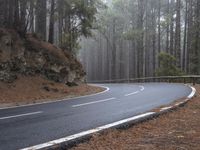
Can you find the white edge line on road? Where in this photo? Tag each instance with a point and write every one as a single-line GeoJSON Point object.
{"type": "Point", "coordinates": [182, 102]}
{"type": "Point", "coordinates": [94, 102]}
{"type": "Point", "coordinates": [84, 133]}
{"type": "Point", "coordinates": [192, 93]}
{"type": "Point", "coordinates": [179, 103]}
{"type": "Point", "coordinates": [63, 99]}
{"type": "Point", "coordinates": [166, 108]}
{"type": "Point", "coordinates": [21, 115]}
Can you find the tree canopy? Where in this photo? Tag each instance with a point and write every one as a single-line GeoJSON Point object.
{"type": "Point", "coordinates": [60, 22]}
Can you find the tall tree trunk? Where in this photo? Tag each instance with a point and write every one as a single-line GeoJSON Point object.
{"type": "Point", "coordinates": [140, 47]}
{"type": "Point", "coordinates": [185, 52]}
{"type": "Point", "coordinates": [159, 27]}
{"type": "Point", "coordinates": [41, 15]}
{"type": "Point", "coordinates": [11, 14]}
{"type": "Point", "coordinates": [172, 28]}
{"type": "Point", "coordinates": [22, 23]}
{"type": "Point", "coordinates": [114, 49]}
{"type": "Point", "coordinates": [51, 22]}
{"type": "Point", "coordinates": [60, 21]}
{"type": "Point", "coordinates": [168, 26]}
{"type": "Point", "coordinates": [145, 56]}
{"type": "Point", "coordinates": [178, 33]}
{"type": "Point", "coordinates": [190, 37]}
{"type": "Point", "coordinates": [31, 22]}
{"type": "Point", "coordinates": [197, 36]}
{"type": "Point", "coordinates": [153, 39]}
{"type": "Point", "coordinates": [2, 12]}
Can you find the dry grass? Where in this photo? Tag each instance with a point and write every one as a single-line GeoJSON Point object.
{"type": "Point", "coordinates": [27, 89]}
{"type": "Point", "coordinates": [38, 44]}
{"type": "Point", "coordinates": [178, 130]}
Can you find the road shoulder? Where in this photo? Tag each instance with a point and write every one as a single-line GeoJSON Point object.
{"type": "Point", "coordinates": [36, 90]}
{"type": "Point", "coordinates": [178, 129]}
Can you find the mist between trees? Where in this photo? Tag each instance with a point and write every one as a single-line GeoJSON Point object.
{"type": "Point", "coordinates": [125, 38]}
{"type": "Point", "coordinates": [138, 38]}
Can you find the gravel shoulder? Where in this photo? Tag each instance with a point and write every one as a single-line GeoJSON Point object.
{"type": "Point", "coordinates": [178, 130]}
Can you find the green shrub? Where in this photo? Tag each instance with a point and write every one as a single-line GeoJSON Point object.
{"type": "Point", "coordinates": [167, 66]}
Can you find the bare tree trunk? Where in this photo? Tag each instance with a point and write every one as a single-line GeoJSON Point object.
{"type": "Point", "coordinates": [168, 26]}
{"type": "Point", "coordinates": [172, 28]}
{"type": "Point", "coordinates": [185, 52]}
{"type": "Point", "coordinates": [140, 47]}
{"type": "Point", "coordinates": [190, 36]}
{"type": "Point", "coordinates": [197, 36]}
{"type": "Point", "coordinates": [114, 50]}
{"type": "Point", "coordinates": [31, 22]}
{"type": "Point", "coordinates": [41, 14]}
{"type": "Point", "coordinates": [159, 28]}
{"type": "Point", "coordinates": [154, 44]}
{"type": "Point", "coordinates": [22, 23]}
{"type": "Point", "coordinates": [2, 12]}
{"type": "Point", "coordinates": [178, 33]}
{"type": "Point", "coordinates": [51, 22]}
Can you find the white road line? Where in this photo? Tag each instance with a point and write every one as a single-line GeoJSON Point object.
{"type": "Point", "coordinates": [141, 89]}
{"type": "Point", "coordinates": [21, 115]}
{"type": "Point", "coordinates": [192, 93]}
{"type": "Point", "coordinates": [100, 101]}
{"type": "Point", "coordinates": [177, 104]}
{"type": "Point", "coordinates": [166, 108]}
{"type": "Point", "coordinates": [131, 93]}
{"type": "Point", "coordinates": [84, 133]}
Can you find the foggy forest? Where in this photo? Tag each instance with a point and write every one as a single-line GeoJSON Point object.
{"type": "Point", "coordinates": [143, 38]}
{"type": "Point", "coordinates": [115, 39]}
{"type": "Point", "coordinates": [99, 74]}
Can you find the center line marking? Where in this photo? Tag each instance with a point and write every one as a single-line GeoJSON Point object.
{"type": "Point", "coordinates": [100, 101]}
{"type": "Point", "coordinates": [142, 89]}
{"type": "Point", "coordinates": [132, 93]}
{"type": "Point", "coordinates": [21, 115]}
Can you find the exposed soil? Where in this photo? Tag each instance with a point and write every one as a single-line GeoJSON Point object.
{"type": "Point", "coordinates": [32, 56]}
{"type": "Point", "coordinates": [177, 130]}
{"type": "Point", "coordinates": [32, 89]}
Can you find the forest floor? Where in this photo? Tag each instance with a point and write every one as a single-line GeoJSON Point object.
{"type": "Point", "coordinates": [177, 130]}
{"type": "Point", "coordinates": [35, 89]}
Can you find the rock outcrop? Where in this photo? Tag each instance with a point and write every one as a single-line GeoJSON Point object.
{"type": "Point", "coordinates": [31, 56]}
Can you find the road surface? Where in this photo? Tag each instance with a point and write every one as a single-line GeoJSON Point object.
{"type": "Point", "coordinates": [31, 125]}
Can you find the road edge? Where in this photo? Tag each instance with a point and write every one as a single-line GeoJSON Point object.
{"type": "Point", "coordinates": [72, 140]}
{"type": "Point", "coordinates": [60, 100]}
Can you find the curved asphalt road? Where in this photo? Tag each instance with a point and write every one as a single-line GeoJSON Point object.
{"type": "Point", "coordinates": [31, 125]}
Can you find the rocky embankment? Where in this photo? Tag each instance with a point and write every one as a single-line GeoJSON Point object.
{"type": "Point", "coordinates": [32, 56]}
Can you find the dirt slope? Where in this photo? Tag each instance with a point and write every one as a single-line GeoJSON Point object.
{"type": "Point", "coordinates": [32, 89]}
{"type": "Point", "coordinates": [30, 56]}
{"type": "Point", "coordinates": [32, 70]}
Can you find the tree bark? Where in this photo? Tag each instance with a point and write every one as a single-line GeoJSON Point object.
{"type": "Point", "coordinates": [185, 52]}
{"type": "Point", "coordinates": [41, 14]}
{"type": "Point", "coordinates": [51, 22]}
{"type": "Point", "coordinates": [178, 33]}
